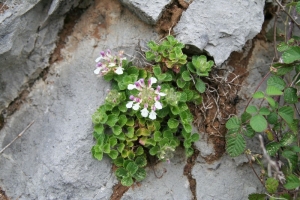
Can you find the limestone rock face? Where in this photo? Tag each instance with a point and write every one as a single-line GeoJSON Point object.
{"type": "Point", "coordinates": [149, 11]}
{"type": "Point", "coordinates": [28, 34]}
{"type": "Point", "coordinates": [220, 27]}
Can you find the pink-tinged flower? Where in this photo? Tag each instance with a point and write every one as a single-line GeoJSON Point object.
{"type": "Point", "coordinates": [147, 99]}
{"type": "Point", "coordinates": [109, 63]}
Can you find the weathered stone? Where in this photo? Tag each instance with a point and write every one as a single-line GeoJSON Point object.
{"type": "Point", "coordinates": [52, 160]}
{"type": "Point", "coordinates": [220, 27]}
{"type": "Point", "coordinates": [149, 11]}
{"type": "Point", "coordinates": [28, 34]}
{"type": "Point", "coordinates": [172, 185]}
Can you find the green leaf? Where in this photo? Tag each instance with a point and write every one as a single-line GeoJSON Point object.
{"type": "Point", "coordinates": [121, 147]}
{"type": "Point", "coordinates": [139, 151]}
{"type": "Point", "coordinates": [189, 152]}
{"type": "Point", "coordinates": [113, 154]}
{"type": "Point", "coordinates": [122, 120]}
{"type": "Point", "coordinates": [298, 7]}
{"type": "Point", "coordinates": [186, 76]}
{"type": "Point", "coordinates": [130, 122]}
{"type": "Point", "coordinates": [132, 167]}
{"type": "Point", "coordinates": [271, 101]}
{"type": "Point", "coordinates": [187, 127]}
{"type": "Point", "coordinates": [112, 120]}
{"type": "Point", "coordinates": [287, 113]}
{"type": "Point", "coordinates": [272, 118]}
{"type": "Point", "coordinates": [271, 185]}
{"type": "Point", "coordinates": [119, 162]}
{"type": "Point", "coordinates": [256, 196]}
{"type": "Point", "coordinates": [272, 148]}
{"type": "Point", "coordinates": [273, 91]}
{"type": "Point", "coordinates": [292, 182]}
{"type": "Point", "coordinates": [264, 111]}
{"type": "Point", "coordinates": [106, 148]}
{"type": "Point", "coordinates": [245, 117]}
{"type": "Point", "coordinates": [113, 141]}
{"type": "Point", "coordinates": [180, 83]}
{"type": "Point", "coordinates": [175, 110]}
{"type": "Point", "coordinates": [121, 172]}
{"type": "Point", "coordinates": [258, 95]}
{"type": "Point", "coordinates": [200, 85]}
{"type": "Point", "coordinates": [277, 82]}
{"type": "Point", "coordinates": [290, 95]}
{"type": "Point", "coordinates": [150, 141]}
{"type": "Point", "coordinates": [154, 150]}
{"type": "Point", "coordinates": [235, 144]}
{"type": "Point", "coordinates": [287, 139]}
{"type": "Point", "coordinates": [282, 47]}
{"type": "Point", "coordinates": [248, 131]}
{"type": "Point", "coordinates": [99, 129]}
{"type": "Point", "coordinates": [292, 159]}
{"type": "Point", "coordinates": [143, 132]}
{"type": "Point", "coordinates": [141, 161]}
{"type": "Point", "coordinates": [233, 123]}
{"type": "Point", "coordinates": [291, 55]}
{"type": "Point", "coordinates": [130, 132]}
{"type": "Point", "coordinates": [173, 123]}
{"type": "Point", "coordinates": [140, 174]}
{"type": "Point", "coordinates": [157, 136]}
{"type": "Point", "coordinates": [96, 153]}
{"type": "Point", "coordinates": [251, 109]}
{"type": "Point", "coordinates": [127, 181]}
{"type": "Point", "coordinates": [117, 130]}
{"type": "Point", "coordinates": [195, 137]}
{"type": "Point", "coordinates": [258, 123]}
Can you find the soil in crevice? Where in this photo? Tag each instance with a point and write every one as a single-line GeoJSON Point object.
{"type": "Point", "coordinates": [187, 171]}
{"type": "Point", "coordinates": [3, 195]}
{"type": "Point", "coordinates": [170, 16]}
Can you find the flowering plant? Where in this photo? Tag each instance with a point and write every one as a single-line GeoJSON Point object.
{"type": "Point", "coordinates": [109, 63]}
{"type": "Point", "coordinates": [145, 111]}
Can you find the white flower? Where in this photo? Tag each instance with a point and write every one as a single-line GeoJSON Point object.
{"type": "Point", "coordinates": [119, 70]}
{"type": "Point", "coordinates": [158, 105]}
{"type": "Point", "coordinates": [131, 87]}
{"type": "Point", "coordinates": [129, 104]}
{"type": "Point", "coordinates": [136, 106]}
{"type": "Point", "coordinates": [161, 94]}
{"type": "Point", "coordinates": [98, 59]}
{"type": "Point", "coordinates": [153, 80]}
{"type": "Point", "coordinates": [97, 70]}
{"type": "Point", "coordinates": [112, 64]}
{"type": "Point", "coordinates": [145, 112]}
{"type": "Point", "coordinates": [152, 115]}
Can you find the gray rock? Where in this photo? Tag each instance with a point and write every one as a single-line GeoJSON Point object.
{"type": "Point", "coordinates": [220, 27]}
{"type": "Point", "coordinates": [28, 34]}
{"type": "Point", "coordinates": [223, 180]}
{"type": "Point", "coordinates": [172, 185]}
{"type": "Point", "coordinates": [52, 160]}
{"type": "Point", "coordinates": [149, 11]}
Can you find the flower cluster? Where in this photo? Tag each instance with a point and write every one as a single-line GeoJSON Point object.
{"type": "Point", "coordinates": [107, 62]}
{"type": "Point", "coordinates": [147, 99]}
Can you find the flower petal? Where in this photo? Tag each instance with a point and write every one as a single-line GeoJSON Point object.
{"type": "Point", "coordinates": [112, 64]}
{"type": "Point", "coordinates": [119, 70]}
{"type": "Point", "coordinates": [129, 104]}
{"type": "Point", "coordinates": [153, 80]}
{"type": "Point", "coordinates": [145, 112]}
{"type": "Point", "coordinates": [158, 105]}
{"type": "Point", "coordinates": [97, 70]}
{"type": "Point", "coordinates": [162, 94]}
{"type": "Point", "coordinates": [131, 87]}
{"type": "Point", "coordinates": [136, 106]}
{"type": "Point", "coordinates": [98, 59]}
{"type": "Point", "coordinates": [152, 115]}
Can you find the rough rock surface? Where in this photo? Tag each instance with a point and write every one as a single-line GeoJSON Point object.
{"type": "Point", "coordinates": [52, 160]}
{"type": "Point", "coordinates": [149, 11]}
{"type": "Point", "coordinates": [220, 27]}
{"type": "Point", "coordinates": [28, 34]}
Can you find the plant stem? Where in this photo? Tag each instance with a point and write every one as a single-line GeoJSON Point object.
{"type": "Point", "coordinates": [20, 134]}
{"type": "Point", "coordinates": [282, 7]}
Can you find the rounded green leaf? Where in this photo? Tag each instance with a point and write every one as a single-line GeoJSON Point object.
{"type": "Point", "coordinates": [117, 130]}
{"type": "Point", "coordinates": [264, 111]}
{"type": "Point", "coordinates": [141, 161]}
{"type": "Point", "coordinates": [119, 161]}
{"type": "Point", "coordinates": [248, 131]}
{"type": "Point", "coordinates": [186, 76]}
{"type": "Point", "coordinates": [106, 148]}
{"type": "Point", "coordinates": [272, 118]}
{"type": "Point", "coordinates": [273, 91]}
{"type": "Point", "coordinates": [140, 174]}
{"type": "Point", "coordinates": [251, 109]}
{"type": "Point", "coordinates": [189, 152]}
{"type": "Point", "coordinates": [277, 82]}
{"type": "Point", "coordinates": [287, 113]}
{"type": "Point", "coordinates": [121, 172]}
{"type": "Point", "coordinates": [271, 185]}
{"type": "Point", "coordinates": [113, 154]}
{"type": "Point", "coordinates": [258, 123]}
{"type": "Point", "coordinates": [173, 123]}
{"type": "Point", "coordinates": [180, 83]}
{"type": "Point", "coordinates": [292, 182]}
{"type": "Point", "coordinates": [143, 132]}
{"type": "Point", "coordinates": [132, 167]}
{"type": "Point", "coordinates": [154, 150]}
{"type": "Point", "coordinates": [291, 55]}
{"type": "Point", "coordinates": [139, 151]}
{"type": "Point", "coordinates": [113, 141]}
{"type": "Point", "coordinates": [200, 85]}
{"type": "Point", "coordinates": [122, 120]}
{"type": "Point", "coordinates": [271, 101]}
{"type": "Point", "coordinates": [112, 120]}
{"type": "Point", "coordinates": [121, 147]}
{"type": "Point", "coordinates": [127, 181]}
{"type": "Point", "coordinates": [233, 123]}
{"type": "Point", "coordinates": [195, 137]}
{"type": "Point", "coordinates": [187, 127]}
{"type": "Point", "coordinates": [287, 139]}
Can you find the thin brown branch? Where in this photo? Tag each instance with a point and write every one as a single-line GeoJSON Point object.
{"type": "Point", "coordinates": [288, 14]}
{"type": "Point", "coordinates": [20, 134]}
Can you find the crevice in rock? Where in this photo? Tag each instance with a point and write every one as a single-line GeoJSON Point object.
{"type": "Point", "coordinates": [118, 191]}
{"type": "Point", "coordinates": [3, 7]}
{"type": "Point", "coordinates": [187, 171]}
{"type": "Point", "coordinates": [170, 16]}
{"type": "Point", "coordinates": [3, 195]}
{"type": "Point", "coordinates": [69, 23]}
